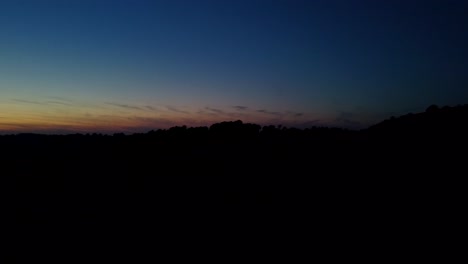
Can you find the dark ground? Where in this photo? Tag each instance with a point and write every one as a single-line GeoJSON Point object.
{"type": "Point", "coordinates": [387, 190]}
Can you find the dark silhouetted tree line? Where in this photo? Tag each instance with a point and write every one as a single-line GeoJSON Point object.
{"type": "Point", "coordinates": [412, 167]}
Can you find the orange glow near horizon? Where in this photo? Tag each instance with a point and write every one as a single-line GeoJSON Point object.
{"type": "Point", "coordinates": [23, 116]}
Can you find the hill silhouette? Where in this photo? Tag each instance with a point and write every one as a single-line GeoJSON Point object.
{"type": "Point", "coordinates": [433, 120]}
{"type": "Point", "coordinates": [403, 173]}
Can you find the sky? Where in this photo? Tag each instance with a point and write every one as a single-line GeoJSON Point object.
{"type": "Point", "coordinates": [132, 66]}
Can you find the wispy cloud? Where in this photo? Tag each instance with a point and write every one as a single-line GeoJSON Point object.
{"type": "Point", "coordinates": [147, 119]}
{"type": "Point", "coordinates": [41, 102]}
{"type": "Point", "coordinates": [58, 103]}
{"type": "Point", "coordinates": [240, 107]}
{"type": "Point", "coordinates": [294, 114]}
{"type": "Point", "coordinates": [263, 111]}
{"type": "Point", "coordinates": [58, 98]}
{"type": "Point", "coordinates": [175, 109]}
{"type": "Point", "coordinates": [29, 102]}
{"type": "Point", "coordinates": [214, 110]}
{"type": "Point", "coordinates": [126, 106]}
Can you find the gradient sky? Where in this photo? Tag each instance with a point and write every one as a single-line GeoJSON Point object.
{"type": "Point", "coordinates": [132, 66]}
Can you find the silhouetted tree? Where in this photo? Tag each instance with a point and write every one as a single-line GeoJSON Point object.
{"type": "Point", "coordinates": [432, 109]}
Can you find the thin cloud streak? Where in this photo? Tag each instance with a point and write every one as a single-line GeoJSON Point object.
{"type": "Point", "coordinates": [41, 102]}
{"type": "Point", "coordinates": [214, 110]}
{"type": "Point", "coordinates": [268, 112]}
{"type": "Point", "coordinates": [240, 107]}
{"type": "Point", "coordinates": [29, 102]}
{"type": "Point", "coordinates": [174, 109]}
{"type": "Point", "coordinates": [125, 106]}
{"type": "Point", "coordinates": [60, 99]}
{"type": "Point", "coordinates": [58, 103]}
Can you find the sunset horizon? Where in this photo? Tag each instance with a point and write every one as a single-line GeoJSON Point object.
{"type": "Point", "coordinates": [133, 66]}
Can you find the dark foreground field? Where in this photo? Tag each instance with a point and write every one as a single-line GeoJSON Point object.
{"type": "Point", "coordinates": [401, 180]}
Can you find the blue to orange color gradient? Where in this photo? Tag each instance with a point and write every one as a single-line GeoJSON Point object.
{"type": "Point", "coordinates": [131, 66]}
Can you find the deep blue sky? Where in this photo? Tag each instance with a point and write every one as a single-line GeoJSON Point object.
{"type": "Point", "coordinates": [135, 65]}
